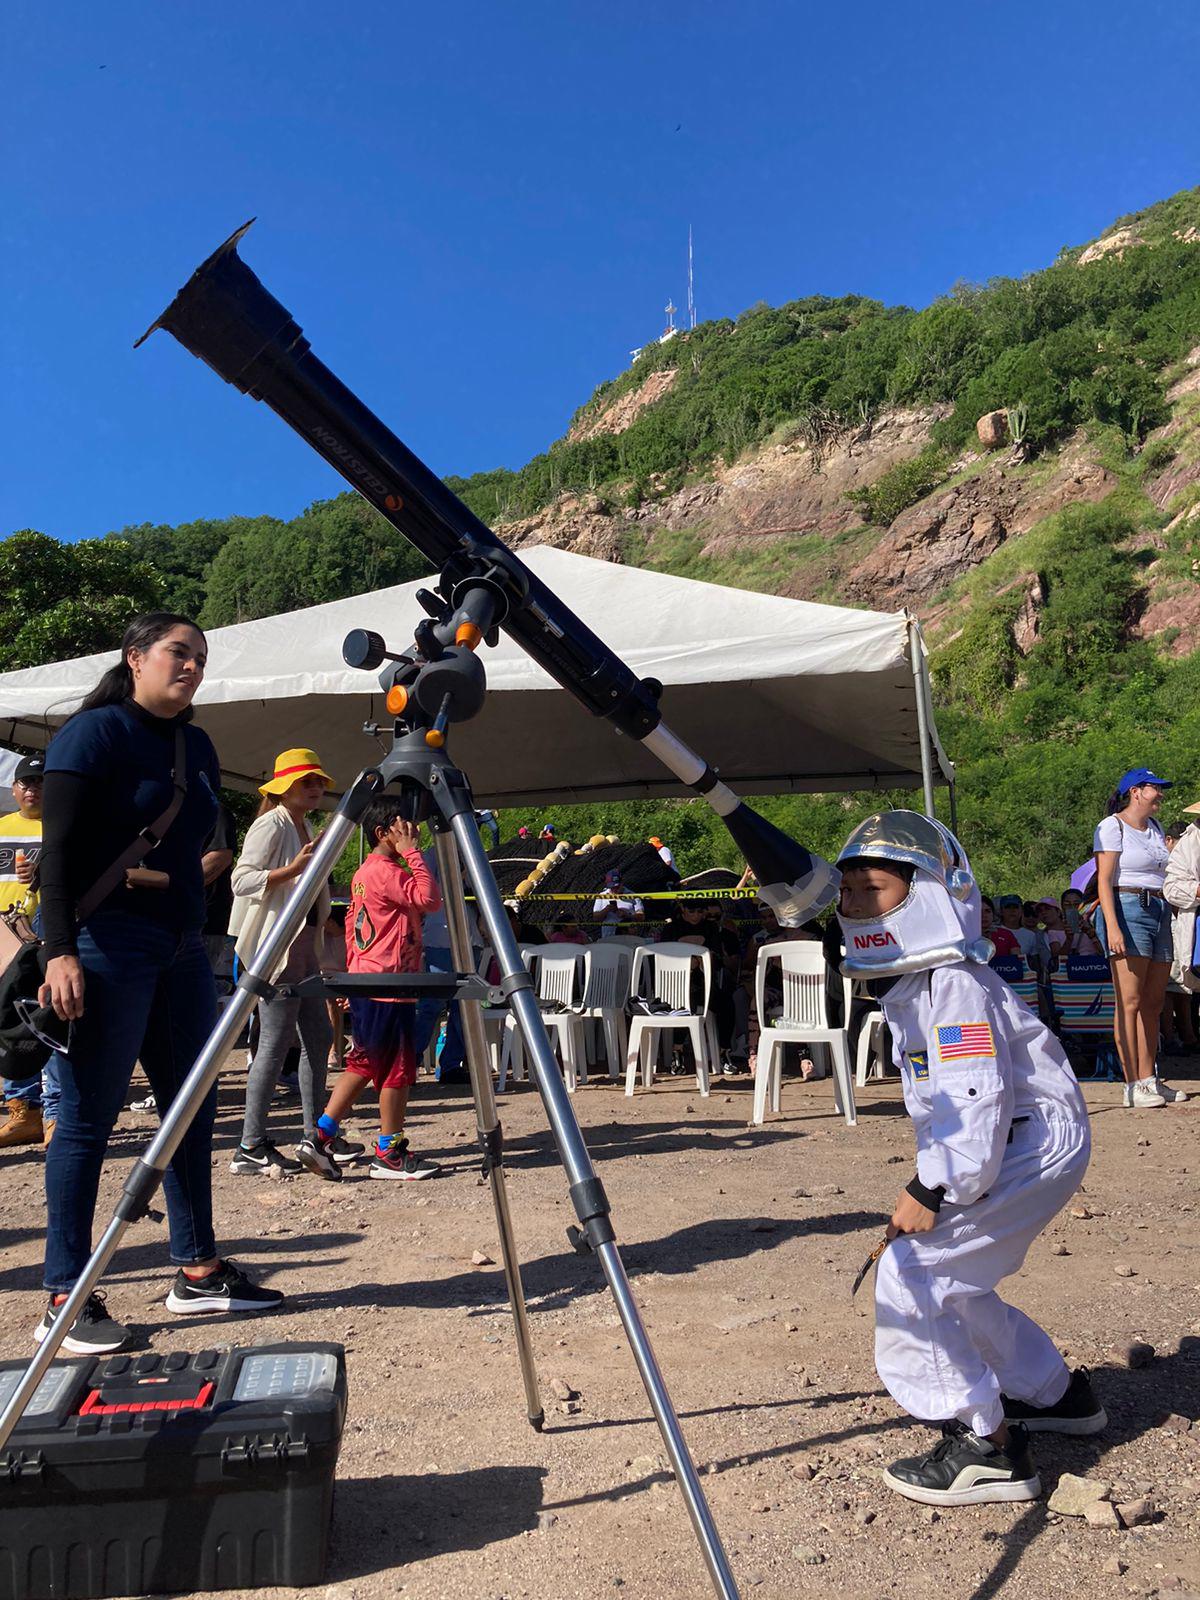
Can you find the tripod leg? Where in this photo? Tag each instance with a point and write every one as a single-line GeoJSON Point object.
{"type": "Point", "coordinates": [487, 1119]}
{"type": "Point", "coordinates": [148, 1170]}
{"type": "Point", "coordinates": [587, 1192]}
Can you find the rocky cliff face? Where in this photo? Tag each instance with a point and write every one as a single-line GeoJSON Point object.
{"type": "Point", "coordinates": [946, 534]}
{"type": "Point", "coordinates": [796, 492]}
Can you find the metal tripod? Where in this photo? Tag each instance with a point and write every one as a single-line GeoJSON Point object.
{"type": "Point", "coordinates": [431, 786]}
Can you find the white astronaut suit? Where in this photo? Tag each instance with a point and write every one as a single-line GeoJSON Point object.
{"type": "Point", "coordinates": [1002, 1140]}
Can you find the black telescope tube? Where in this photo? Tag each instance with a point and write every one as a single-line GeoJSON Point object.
{"type": "Point", "coordinates": [224, 316]}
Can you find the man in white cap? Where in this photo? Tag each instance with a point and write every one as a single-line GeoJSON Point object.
{"type": "Point", "coordinates": [1002, 1143]}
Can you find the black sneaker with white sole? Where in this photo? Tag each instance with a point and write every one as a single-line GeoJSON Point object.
{"type": "Point", "coordinates": [1078, 1411]}
{"type": "Point", "coordinates": [261, 1158]}
{"type": "Point", "coordinates": [316, 1157]}
{"type": "Point", "coordinates": [226, 1288]}
{"type": "Point", "coordinates": [401, 1163]}
{"type": "Point", "coordinates": [93, 1333]}
{"type": "Point", "coordinates": [344, 1151]}
{"type": "Point", "coordinates": [965, 1470]}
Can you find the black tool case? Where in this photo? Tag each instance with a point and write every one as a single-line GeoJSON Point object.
{"type": "Point", "coordinates": [149, 1474]}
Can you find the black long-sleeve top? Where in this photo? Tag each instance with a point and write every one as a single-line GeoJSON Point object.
{"type": "Point", "coordinates": [108, 775]}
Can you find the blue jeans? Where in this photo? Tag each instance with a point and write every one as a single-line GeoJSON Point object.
{"type": "Point", "coordinates": [1147, 931]}
{"type": "Point", "coordinates": [428, 1012]}
{"type": "Point", "coordinates": [40, 1090]}
{"type": "Point", "coordinates": [148, 996]}
{"type": "Point", "coordinates": [27, 1089]}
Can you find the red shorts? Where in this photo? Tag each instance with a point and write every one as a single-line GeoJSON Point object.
{"type": "Point", "coordinates": [383, 1049]}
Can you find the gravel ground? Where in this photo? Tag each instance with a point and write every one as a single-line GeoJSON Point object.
{"type": "Point", "coordinates": [742, 1244]}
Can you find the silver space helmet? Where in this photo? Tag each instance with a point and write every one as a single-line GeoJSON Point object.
{"type": "Point", "coordinates": [937, 923]}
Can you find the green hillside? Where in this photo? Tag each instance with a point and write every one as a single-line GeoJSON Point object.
{"type": "Point", "coordinates": [1085, 350]}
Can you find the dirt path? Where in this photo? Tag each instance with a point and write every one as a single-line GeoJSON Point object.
{"type": "Point", "coordinates": [742, 1244]}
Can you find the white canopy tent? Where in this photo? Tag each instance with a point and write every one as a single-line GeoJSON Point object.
{"type": "Point", "coordinates": [777, 694]}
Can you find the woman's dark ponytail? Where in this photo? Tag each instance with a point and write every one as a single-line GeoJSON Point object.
{"type": "Point", "coordinates": [117, 683]}
{"type": "Point", "coordinates": [1117, 801]}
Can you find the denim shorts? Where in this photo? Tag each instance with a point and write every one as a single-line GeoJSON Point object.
{"type": "Point", "coordinates": [1147, 933]}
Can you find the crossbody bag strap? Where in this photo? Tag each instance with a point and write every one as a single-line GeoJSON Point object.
{"type": "Point", "coordinates": [140, 846]}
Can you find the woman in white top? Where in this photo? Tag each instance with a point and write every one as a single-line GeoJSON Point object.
{"type": "Point", "coordinates": [276, 851]}
{"type": "Point", "coordinates": [1134, 928]}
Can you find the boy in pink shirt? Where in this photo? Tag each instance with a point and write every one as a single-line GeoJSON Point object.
{"type": "Point", "coordinates": [389, 895]}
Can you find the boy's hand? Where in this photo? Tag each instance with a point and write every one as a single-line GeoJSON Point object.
{"type": "Point", "coordinates": [910, 1216]}
{"type": "Point", "coordinates": [406, 834]}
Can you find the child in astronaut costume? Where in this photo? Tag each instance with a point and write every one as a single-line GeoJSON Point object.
{"type": "Point", "coordinates": [1002, 1143]}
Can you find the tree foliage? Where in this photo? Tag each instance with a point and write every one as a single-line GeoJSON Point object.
{"type": "Point", "coordinates": [61, 600]}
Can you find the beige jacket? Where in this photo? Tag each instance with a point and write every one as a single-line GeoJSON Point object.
{"type": "Point", "coordinates": [271, 842]}
{"type": "Point", "coordinates": [1182, 889]}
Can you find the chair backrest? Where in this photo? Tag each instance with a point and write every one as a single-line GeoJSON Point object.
{"type": "Point", "coordinates": [1019, 977]}
{"type": "Point", "coordinates": [802, 978]}
{"type": "Point", "coordinates": [671, 974]}
{"type": "Point", "coordinates": [607, 967]}
{"type": "Point", "coordinates": [557, 973]}
{"type": "Point", "coordinates": [1083, 995]}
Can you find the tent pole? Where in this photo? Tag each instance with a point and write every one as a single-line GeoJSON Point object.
{"type": "Point", "coordinates": [920, 686]}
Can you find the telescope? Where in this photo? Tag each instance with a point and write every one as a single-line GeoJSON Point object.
{"type": "Point", "coordinates": [228, 319]}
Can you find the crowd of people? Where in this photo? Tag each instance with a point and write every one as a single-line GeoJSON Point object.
{"type": "Point", "coordinates": [122, 853]}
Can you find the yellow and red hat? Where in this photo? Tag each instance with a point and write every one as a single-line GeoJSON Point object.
{"type": "Point", "coordinates": [291, 765]}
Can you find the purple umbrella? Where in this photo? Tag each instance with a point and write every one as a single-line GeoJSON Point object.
{"type": "Point", "coordinates": [1083, 875]}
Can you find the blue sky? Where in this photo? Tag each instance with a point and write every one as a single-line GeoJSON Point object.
{"type": "Point", "coordinates": [475, 210]}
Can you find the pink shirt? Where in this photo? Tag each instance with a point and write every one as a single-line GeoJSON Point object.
{"type": "Point", "coordinates": [387, 901]}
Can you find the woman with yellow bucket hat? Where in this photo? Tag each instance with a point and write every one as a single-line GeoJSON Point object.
{"type": "Point", "coordinates": [276, 851]}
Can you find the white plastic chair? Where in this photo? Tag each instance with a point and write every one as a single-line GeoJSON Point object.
{"type": "Point", "coordinates": [671, 966]}
{"type": "Point", "coordinates": [804, 1020]}
{"type": "Point", "coordinates": [556, 976]}
{"type": "Point", "coordinates": [871, 1039]}
{"type": "Point", "coordinates": [607, 968]}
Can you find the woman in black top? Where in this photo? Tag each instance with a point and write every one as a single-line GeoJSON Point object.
{"type": "Point", "coordinates": [133, 981]}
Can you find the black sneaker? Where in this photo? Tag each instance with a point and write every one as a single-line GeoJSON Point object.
{"type": "Point", "coordinates": [401, 1163]}
{"type": "Point", "coordinates": [93, 1333]}
{"type": "Point", "coordinates": [344, 1151]}
{"type": "Point", "coordinates": [965, 1470]}
{"type": "Point", "coordinates": [226, 1288]}
{"type": "Point", "coordinates": [262, 1158]}
{"type": "Point", "coordinates": [316, 1156]}
{"type": "Point", "coordinates": [1077, 1412]}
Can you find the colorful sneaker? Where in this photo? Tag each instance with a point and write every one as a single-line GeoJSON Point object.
{"type": "Point", "coordinates": [262, 1158]}
{"type": "Point", "coordinates": [344, 1151]}
{"type": "Point", "coordinates": [1077, 1412]}
{"type": "Point", "coordinates": [315, 1156]}
{"type": "Point", "coordinates": [965, 1470]}
{"type": "Point", "coordinates": [226, 1288]}
{"type": "Point", "coordinates": [400, 1162]}
{"type": "Point", "coordinates": [93, 1333]}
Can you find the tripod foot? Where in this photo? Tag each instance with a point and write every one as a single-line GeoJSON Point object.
{"type": "Point", "coordinates": [538, 1421]}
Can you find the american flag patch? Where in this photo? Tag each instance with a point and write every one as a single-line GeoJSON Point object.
{"type": "Point", "coordinates": [960, 1040]}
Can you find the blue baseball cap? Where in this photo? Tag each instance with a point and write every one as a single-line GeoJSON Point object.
{"type": "Point", "coordinates": [1137, 775]}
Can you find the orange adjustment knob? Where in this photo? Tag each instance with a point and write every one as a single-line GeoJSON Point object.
{"type": "Point", "coordinates": [397, 699]}
{"type": "Point", "coordinates": [468, 634]}
{"type": "Point", "coordinates": [435, 738]}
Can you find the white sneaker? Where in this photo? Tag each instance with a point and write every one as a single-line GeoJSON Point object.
{"type": "Point", "coordinates": [1145, 1095]}
{"type": "Point", "coordinates": [1170, 1094]}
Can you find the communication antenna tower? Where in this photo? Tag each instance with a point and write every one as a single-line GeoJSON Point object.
{"type": "Point", "coordinates": [691, 287]}
{"type": "Point", "coordinates": [671, 308]}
